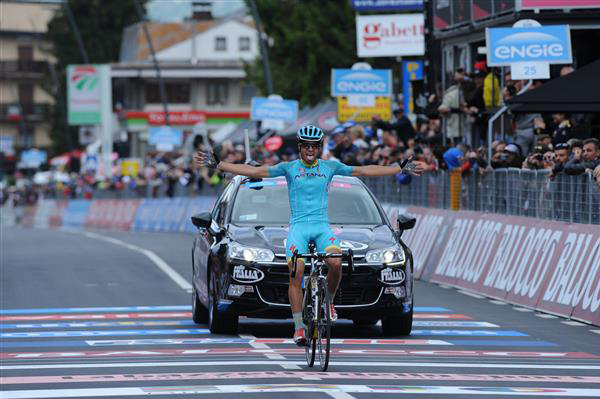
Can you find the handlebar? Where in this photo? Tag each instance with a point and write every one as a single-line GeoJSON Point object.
{"type": "Point", "coordinates": [349, 256]}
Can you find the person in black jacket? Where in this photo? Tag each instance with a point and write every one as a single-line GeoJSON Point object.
{"type": "Point", "coordinates": [402, 126]}
{"type": "Point", "coordinates": [589, 159]}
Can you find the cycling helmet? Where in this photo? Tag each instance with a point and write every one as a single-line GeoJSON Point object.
{"type": "Point", "coordinates": [310, 133]}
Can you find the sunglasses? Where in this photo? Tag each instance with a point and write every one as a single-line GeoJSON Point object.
{"type": "Point", "coordinates": [309, 145]}
{"type": "Point", "coordinates": [561, 146]}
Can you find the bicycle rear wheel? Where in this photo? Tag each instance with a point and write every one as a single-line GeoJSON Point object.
{"type": "Point", "coordinates": [307, 317]}
{"type": "Point", "coordinates": [324, 326]}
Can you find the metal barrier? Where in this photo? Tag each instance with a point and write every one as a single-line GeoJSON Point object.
{"type": "Point", "coordinates": [519, 192]}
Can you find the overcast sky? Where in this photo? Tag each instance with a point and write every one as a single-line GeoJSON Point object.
{"type": "Point", "coordinates": [177, 10]}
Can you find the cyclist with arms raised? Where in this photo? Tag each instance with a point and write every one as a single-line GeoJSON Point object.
{"type": "Point", "coordinates": [308, 181]}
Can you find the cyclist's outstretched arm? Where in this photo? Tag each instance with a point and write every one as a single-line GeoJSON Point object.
{"type": "Point", "coordinates": [204, 158]}
{"type": "Point", "coordinates": [412, 167]}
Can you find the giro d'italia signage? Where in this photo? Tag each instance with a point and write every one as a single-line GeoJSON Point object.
{"type": "Point", "coordinates": [551, 44]}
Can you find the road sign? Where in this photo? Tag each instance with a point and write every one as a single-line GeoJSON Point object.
{"type": "Point", "coordinates": [274, 108]}
{"type": "Point", "coordinates": [373, 82]}
{"type": "Point", "coordinates": [165, 138]}
{"type": "Point", "coordinates": [551, 44]}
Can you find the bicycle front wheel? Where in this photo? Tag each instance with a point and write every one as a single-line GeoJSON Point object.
{"type": "Point", "coordinates": [307, 317]}
{"type": "Point", "coordinates": [324, 326]}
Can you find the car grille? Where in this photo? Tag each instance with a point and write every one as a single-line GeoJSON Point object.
{"type": "Point", "coordinates": [345, 296]}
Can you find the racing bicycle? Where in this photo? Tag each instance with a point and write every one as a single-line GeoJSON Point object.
{"type": "Point", "coordinates": [316, 305]}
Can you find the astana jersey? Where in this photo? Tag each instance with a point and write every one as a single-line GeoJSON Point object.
{"type": "Point", "coordinates": [308, 187]}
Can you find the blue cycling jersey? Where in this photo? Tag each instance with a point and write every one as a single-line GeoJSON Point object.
{"type": "Point", "coordinates": [308, 187]}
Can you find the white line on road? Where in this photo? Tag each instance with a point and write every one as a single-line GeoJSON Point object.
{"type": "Point", "coordinates": [573, 323]}
{"type": "Point", "coordinates": [471, 294]}
{"type": "Point", "coordinates": [340, 395]}
{"type": "Point", "coordinates": [157, 260]}
{"type": "Point", "coordinates": [595, 331]}
{"type": "Point", "coordinates": [495, 302]}
{"type": "Point", "coordinates": [235, 363]}
{"type": "Point", "coordinates": [546, 316]}
{"type": "Point", "coordinates": [520, 309]}
{"type": "Point", "coordinates": [291, 366]}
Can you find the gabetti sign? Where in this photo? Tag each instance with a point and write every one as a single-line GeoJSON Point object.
{"type": "Point", "coordinates": [371, 82]}
{"type": "Point", "coordinates": [390, 35]}
{"type": "Point", "coordinates": [551, 44]}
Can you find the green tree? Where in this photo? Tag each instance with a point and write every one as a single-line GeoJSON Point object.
{"type": "Point", "coordinates": [309, 37]}
{"type": "Point", "coordinates": [101, 23]}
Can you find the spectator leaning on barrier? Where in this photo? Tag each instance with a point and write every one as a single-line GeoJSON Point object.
{"type": "Point", "coordinates": [541, 158]}
{"type": "Point", "coordinates": [589, 159]}
{"type": "Point", "coordinates": [401, 126]}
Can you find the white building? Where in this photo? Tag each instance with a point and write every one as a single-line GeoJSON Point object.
{"type": "Point", "coordinates": [202, 65]}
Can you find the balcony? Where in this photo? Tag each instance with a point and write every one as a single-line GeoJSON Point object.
{"type": "Point", "coordinates": [29, 112]}
{"type": "Point", "coordinates": [23, 69]}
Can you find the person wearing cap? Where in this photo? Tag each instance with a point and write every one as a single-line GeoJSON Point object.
{"type": "Point", "coordinates": [509, 158]}
{"type": "Point", "coordinates": [402, 126]}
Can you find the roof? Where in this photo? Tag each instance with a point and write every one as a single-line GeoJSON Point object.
{"type": "Point", "coordinates": [134, 46]}
{"type": "Point", "coordinates": [570, 93]}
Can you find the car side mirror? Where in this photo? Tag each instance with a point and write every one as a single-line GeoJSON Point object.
{"type": "Point", "coordinates": [202, 220]}
{"type": "Point", "coordinates": [405, 223]}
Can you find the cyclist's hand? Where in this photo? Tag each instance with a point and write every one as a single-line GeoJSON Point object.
{"type": "Point", "coordinates": [414, 167]}
{"type": "Point", "coordinates": [206, 158]}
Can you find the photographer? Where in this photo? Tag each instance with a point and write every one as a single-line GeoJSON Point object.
{"type": "Point", "coordinates": [509, 158]}
{"type": "Point", "coordinates": [542, 158]}
{"type": "Point", "coordinates": [562, 152]}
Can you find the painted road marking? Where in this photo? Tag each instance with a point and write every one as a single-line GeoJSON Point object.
{"type": "Point", "coordinates": [295, 351]}
{"type": "Point", "coordinates": [472, 333]}
{"type": "Point", "coordinates": [298, 375]}
{"type": "Point", "coordinates": [323, 388]}
{"type": "Point", "coordinates": [520, 309]}
{"type": "Point", "coordinates": [471, 294]}
{"type": "Point", "coordinates": [107, 316]}
{"type": "Point", "coordinates": [495, 302]}
{"type": "Point", "coordinates": [157, 260]}
{"type": "Point", "coordinates": [440, 316]}
{"type": "Point", "coordinates": [573, 323]}
{"type": "Point", "coordinates": [595, 331]}
{"type": "Point", "coordinates": [436, 323]}
{"type": "Point", "coordinates": [147, 308]}
{"type": "Point", "coordinates": [515, 366]}
{"type": "Point", "coordinates": [201, 341]}
{"type": "Point", "coordinates": [99, 333]}
{"type": "Point", "coordinates": [83, 324]}
{"type": "Point", "coordinates": [546, 316]}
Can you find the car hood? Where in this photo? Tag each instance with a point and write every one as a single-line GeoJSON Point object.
{"type": "Point", "coordinates": [359, 238]}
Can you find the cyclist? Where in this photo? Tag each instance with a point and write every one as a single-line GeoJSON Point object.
{"type": "Point", "coordinates": [308, 181]}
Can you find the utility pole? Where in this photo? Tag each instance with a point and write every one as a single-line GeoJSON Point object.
{"type": "Point", "coordinates": [264, 54]}
{"type": "Point", "coordinates": [161, 83]}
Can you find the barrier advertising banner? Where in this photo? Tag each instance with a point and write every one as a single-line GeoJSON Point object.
{"type": "Point", "coordinates": [390, 35]}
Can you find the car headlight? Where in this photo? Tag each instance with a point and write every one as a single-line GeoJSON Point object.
{"type": "Point", "coordinates": [390, 256]}
{"type": "Point", "coordinates": [250, 254]}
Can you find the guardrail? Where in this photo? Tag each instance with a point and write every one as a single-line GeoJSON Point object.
{"type": "Point", "coordinates": [518, 192]}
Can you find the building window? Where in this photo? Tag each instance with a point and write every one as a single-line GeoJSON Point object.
{"type": "Point", "coordinates": [26, 136]}
{"type": "Point", "coordinates": [248, 91]}
{"type": "Point", "coordinates": [220, 43]}
{"type": "Point", "coordinates": [178, 93]}
{"type": "Point", "coordinates": [217, 93]}
{"type": "Point", "coordinates": [244, 43]}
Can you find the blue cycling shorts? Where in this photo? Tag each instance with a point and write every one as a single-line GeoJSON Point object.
{"type": "Point", "coordinates": [300, 235]}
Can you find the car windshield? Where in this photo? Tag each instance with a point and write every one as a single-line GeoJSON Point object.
{"type": "Point", "coordinates": [266, 202]}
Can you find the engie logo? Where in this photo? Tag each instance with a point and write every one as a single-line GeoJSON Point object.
{"type": "Point", "coordinates": [245, 274]}
{"type": "Point", "coordinates": [546, 43]}
{"type": "Point", "coordinates": [84, 78]}
{"type": "Point", "coordinates": [374, 82]}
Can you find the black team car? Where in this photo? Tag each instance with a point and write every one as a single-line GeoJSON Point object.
{"type": "Point", "coordinates": [240, 269]}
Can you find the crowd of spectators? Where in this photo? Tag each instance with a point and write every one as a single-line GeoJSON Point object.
{"type": "Point", "coordinates": [449, 133]}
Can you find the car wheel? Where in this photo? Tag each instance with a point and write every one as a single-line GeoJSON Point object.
{"type": "Point", "coordinates": [219, 322]}
{"type": "Point", "coordinates": [397, 325]}
{"type": "Point", "coordinates": [199, 311]}
{"type": "Point", "coordinates": [365, 322]}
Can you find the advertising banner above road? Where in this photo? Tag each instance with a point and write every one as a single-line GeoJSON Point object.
{"type": "Point", "coordinates": [551, 44]}
{"type": "Point", "coordinates": [390, 35]}
{"type": "Point", "coordinates": [372, 82]}
{"type": "Point", "coordinates": [387, 5]}
{"type": "Point", "coordinates": [272, 108]}
{"type": "Point", "coordinates": [382, 108]}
